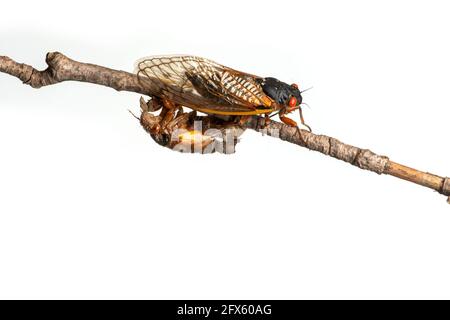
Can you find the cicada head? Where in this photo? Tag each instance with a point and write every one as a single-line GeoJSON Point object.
{"type": "Point", "coordinates": [288, 96]}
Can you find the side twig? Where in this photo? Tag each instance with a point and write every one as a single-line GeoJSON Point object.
{"type": "Point", "coordinates": [61, 68]}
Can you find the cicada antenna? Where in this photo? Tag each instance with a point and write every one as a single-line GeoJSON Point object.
{"type": "Point", "coordinates": [134, 115]}
{"type": "Point", "coordinates": [306, 89]}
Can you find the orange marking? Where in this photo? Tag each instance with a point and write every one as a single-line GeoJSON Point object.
{"type": "Point", "coordinates": [266, 101]}
{"type": "Point", "coordinates": [288, 121]}
{"type": "Point", "coordinates": [235, 113]}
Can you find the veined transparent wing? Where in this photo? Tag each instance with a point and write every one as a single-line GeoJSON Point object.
{"type": "Point", "coordinates": [202, 84]}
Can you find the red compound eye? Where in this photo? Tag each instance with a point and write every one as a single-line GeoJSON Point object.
{"type": "Point", "coordinates": [294, 85]}
{"type": "Point", "coordinates": [292, 102]}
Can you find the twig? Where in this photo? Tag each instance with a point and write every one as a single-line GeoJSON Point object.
{"type": "Point", "coordinates": [61, 68]}
{"type": "Point", "coordinates": [362, 158]}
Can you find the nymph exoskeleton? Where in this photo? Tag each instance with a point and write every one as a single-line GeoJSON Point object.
{"type": "Point", "coordinates": [211, 88]}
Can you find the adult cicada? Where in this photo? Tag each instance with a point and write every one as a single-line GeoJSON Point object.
{"type": "Point", "coordinates": [206, 86]}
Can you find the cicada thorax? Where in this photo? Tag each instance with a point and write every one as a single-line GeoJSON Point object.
{"type": "Point", "coordinates": [280, 92]}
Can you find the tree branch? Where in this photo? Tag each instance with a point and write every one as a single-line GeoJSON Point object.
{"type": "Point", "coordinates": [362, 158]}
{"type": "Point", "coordinates": [61, 68]}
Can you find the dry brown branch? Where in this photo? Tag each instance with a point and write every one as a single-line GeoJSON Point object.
{"type": "Point", "coordinates": [61, 68]}
{"type": "Point", "coordinates": [362, 158]}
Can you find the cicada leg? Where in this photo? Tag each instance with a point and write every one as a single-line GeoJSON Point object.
{"type": "Point", "coordinates": [242, 120]}
{"type": "Point", "coordinates": [169, 112]}
{"type": "Point", "coordinates": [288, 121]}
{"type": "Point", "coordinates": [161, 126]}
{"type": "Point", "coordinates": [261, 126]}
{"type": "Point", "coordinates": [302, 120]}
{"type": "Point", "coordinates": [152, 105]}
{"type": "Point", "coordinates": [266, 119]}
{"type": "Point", "coordinates": [292, 123]}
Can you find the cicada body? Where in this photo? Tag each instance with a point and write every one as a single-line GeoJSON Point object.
{"type": "Point", "coordinates": [206, 86]}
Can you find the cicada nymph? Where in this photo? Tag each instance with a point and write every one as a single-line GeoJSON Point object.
{"type": "Point", "coordinates": [174, 82]}
{"type": "Point", "coordinates": [189, 132]}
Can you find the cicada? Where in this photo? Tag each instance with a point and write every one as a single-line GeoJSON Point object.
{"type": "Point", "coordinates": [209, 87]}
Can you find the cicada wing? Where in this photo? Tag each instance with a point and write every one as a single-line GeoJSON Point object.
{"type": "Point", "coordinates": [164, 76]}
{"type": "Point", "coordinates": [232, 85]}
{"type": "Point", "coordinates": [199, 83]}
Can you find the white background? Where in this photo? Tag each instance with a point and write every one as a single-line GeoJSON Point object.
{"type": "Point", "coordinates": [91, 207]}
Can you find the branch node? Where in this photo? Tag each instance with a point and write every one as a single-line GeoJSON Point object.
{"type": "Point", "coordinates": [330, 143]}
{"type": "Point", "coordinates": [50, 57]}
{"type": "Point", "coordinates": [370, 161]}
{"type": "Point", "coordinates": [355, 159]}
{"type": "Point", "coordinates": [29, 78]}
{"type": "Point", "coordinates": [446, 187]}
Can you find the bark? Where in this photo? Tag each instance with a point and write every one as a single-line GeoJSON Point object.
{"type": "Point", "coordinates": [61, 68]}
